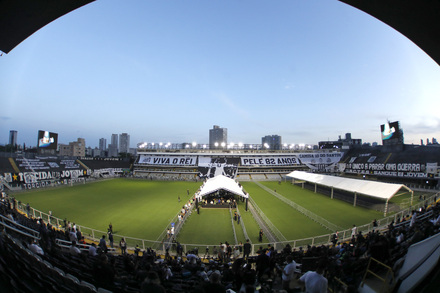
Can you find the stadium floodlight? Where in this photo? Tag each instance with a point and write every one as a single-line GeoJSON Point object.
{"type": "Point", "coordinates": [250, 146]}
{"type": "Point", "coordinates": [187, 146]}
{"type": "Point", "coordinates": [194, 144]}
{"type": "Point", "coordinates": [216, 144]}
{"type": "Point", "coordinates": [204, 146]}
{"type": "Point", "coordinates": [240, 144]}
{"type": "Point", "coordinates": [266, 145]}
{"type": "Point", "coordinates": [223, 144]}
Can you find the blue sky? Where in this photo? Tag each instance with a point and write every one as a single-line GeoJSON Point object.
{"type": "Point", "coordinates": [167, 71]}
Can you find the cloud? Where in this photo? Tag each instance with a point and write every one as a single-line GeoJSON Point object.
{"type": "Point", "coordinates": [426, 125]}
{"type": "Point", "coordinates": [232, 106]}
{"type": "Point", "coordinates": [289, 86]}
{"type": "Point", "coordinates": [5, 118]}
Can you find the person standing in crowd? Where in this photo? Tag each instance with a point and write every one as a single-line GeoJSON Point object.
{"type": "Point", "coordinates": [152, 283]}
{"type": "Point", "coordinates": [335, 238]}
{"type": "Point", "coordinates": [353, 231]}
{"type": "Point", "coordinates": [110, 239]}
{"type": "Point", "coordinates": [123, 245]}
{"type": "Point", "coordinates": [314, 280]}
{"type": "Point", "coordinates": [110, 227]}
{"type": "Point", "coordinates": [260, 235]}
{"type": "Point", "coordinates": [288, 273]}
{"type": "Point", "coordinates": [102, 244]}
{"type": "Point", "coordinates": [246, 249]}
{"type": "Point", "coordinates": [92, 250]}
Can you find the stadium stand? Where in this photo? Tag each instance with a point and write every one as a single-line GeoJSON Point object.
{"type": "Point", "coordinates": [6, 166]}
{"type": "Point", "coordinates": [408, 164]}
{"type": "Point", "coordinates": [57, 270]}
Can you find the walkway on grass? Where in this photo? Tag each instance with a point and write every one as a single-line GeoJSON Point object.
{"type": "Point", "coordinates": [320, 220]}
{"type": "Point", "coordinates": [272, 233]}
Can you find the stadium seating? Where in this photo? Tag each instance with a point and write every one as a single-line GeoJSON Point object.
{"type": "Point", "coordinates": [59, 271]}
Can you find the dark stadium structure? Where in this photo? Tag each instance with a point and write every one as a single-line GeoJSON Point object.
{"type": "Point", "coordinates": [21, 18]}
{"type": "Point", "coordinates": [417, 20]}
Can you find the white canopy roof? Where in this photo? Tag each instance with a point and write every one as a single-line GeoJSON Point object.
{"type": "Point", "coordinates": [221, 182]}
{"type": "Point", "coordinates": [365, 187]}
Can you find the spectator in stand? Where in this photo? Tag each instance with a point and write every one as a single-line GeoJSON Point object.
{"type": "Point", "coordinates": [288, 273]}
{"type": "Point", "coordinates": [214, 285]}
{"type": "Point", "coordinates": [78, 234]}
{"type": "Point", "coordinates": [102, 244]}
{"type": "Point", "coordinates": [104, 273]}
{"type": "Point", "coordinates": [262, 263]}
{"type": "Point", "coordinates": [335, 238]}
{"type": "Point", "coordinates": [152, 284]}
{"type": "Point", "coordinates": [72, 235]}
{"type": "Point", "coordinates": [314, 281]}
{"type": "Point", "coordinates": [35, 248]}
{"type": "Point", "coordinates": [123, 245]}
{"type": "Point", "coordinates": [236, 252]}
{"type": "Point", "coordinates": [73, 249]}
{"type": "Point", "coordinates": [82, 241]}
{"type": "Point", "coordinates": [246, 249]}
{"type": "Point", "coordinates": [92, 250]}
{"type": "Point", "coordinates": [353, 231]}
{"type": "Point", "coordinates": [110, 238]}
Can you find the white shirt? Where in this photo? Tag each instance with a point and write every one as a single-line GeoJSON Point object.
{"type": "Point", "coordinates": [92, 250]}
{"type": "Point", "coordinates": [315, 283]}
{"type": "Point", "coordinates": [289, 271]}
{"type": "Point", "coordinates": [36, 249]}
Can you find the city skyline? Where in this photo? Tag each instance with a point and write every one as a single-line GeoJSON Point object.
{"type": "Point", "coordinates": [308, 71]}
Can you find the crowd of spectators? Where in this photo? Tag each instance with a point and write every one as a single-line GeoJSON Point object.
{"type": "Point", "coordinates": [145, 271]}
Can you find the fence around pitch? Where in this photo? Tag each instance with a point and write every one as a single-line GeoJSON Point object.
{"type": "Point", "coordinates": [344, 235]}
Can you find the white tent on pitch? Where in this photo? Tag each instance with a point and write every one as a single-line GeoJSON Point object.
{"type": "Point", "coordinates": [221, 182]}
{"type": "Point", "coordinates": [384, 191]}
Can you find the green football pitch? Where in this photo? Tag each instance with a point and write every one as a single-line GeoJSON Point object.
{"type": "Point", "coordinates": [144, 209]}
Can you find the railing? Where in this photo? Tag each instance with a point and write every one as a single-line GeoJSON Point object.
{"type": "Point", "coordinates": [344, 235]}
{"type": "Point", "coordinates": [23, 230]}
{"type": "Point", "coordinates": [243, 227]}
{"type": "Point", "coordinates": [233, 226]}
{"type": "Point", "coordinates": [266, 220]}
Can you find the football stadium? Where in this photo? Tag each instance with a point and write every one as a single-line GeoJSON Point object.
{"type": "Point", "coordinates": [357, 218]}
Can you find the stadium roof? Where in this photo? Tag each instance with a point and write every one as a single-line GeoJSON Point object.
{"type": "Point", "coordinates": [365, 187]}
{"type": "Point", "coordinates": [418, 20]}
{"type": "Point", "coordinates": [221, 182]}
{"type": "Point", "coordinates": [21, 18]}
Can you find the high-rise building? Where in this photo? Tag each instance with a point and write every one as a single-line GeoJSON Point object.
{"type": "Point", "coordinates": [124, 143]}
{"type": "Point", "coordinates": [102, 144]}
{"type": "Point", "coordinates": [113, 150]}
{"type": "Point", "coordinates": [75, 148]}
{"type": "Point", "coordinates": [218, 137]}
{"type": "Point", "coordinates": [271, 142]}
{"type": "Point", "coordinates": [13, 138]}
